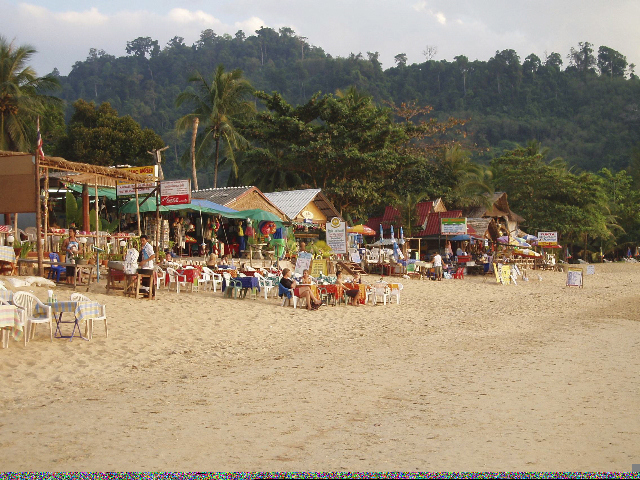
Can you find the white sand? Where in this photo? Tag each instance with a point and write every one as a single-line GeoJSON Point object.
{"type": "Point", "coordinates": [462, 375]}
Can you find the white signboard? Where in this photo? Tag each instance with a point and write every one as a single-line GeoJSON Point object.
{"type": "Point", "coordinates": [303, 262]}
{"type": "Point", "coordinates": [337, 235]}
{"type": "Point", "coordinates": [547, 239]}
{"type": "Point", "coordinates": [574, 277]}
{"type": "Point", "coordinates": [453, 226]}
{"type": "Point", "coordinates": [591, 269]}
{"type": "Point", "coordinates": [126, 189]}
{"type": "Point", "coordinates": [175, 192]}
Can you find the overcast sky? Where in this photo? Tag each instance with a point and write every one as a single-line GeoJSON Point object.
{"type": "Point", "coordinates": [63, 31]}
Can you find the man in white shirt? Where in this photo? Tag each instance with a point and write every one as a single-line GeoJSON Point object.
{"type": "Point", "coordinates": [148, 255]}
{"type": "Point", "coordinates": [437, 264]}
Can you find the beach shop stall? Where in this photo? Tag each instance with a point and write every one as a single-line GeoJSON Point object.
{"type": "Point", "coordinates": [24, 188]}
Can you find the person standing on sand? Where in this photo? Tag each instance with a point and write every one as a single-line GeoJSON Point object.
{"type": "Point", "coordinates": [437, 264]}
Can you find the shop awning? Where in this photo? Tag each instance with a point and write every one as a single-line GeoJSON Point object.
{"type": "Point", "coordinates": [108, 192]}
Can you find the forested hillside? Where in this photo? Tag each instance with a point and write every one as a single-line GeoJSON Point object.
{"type": "Point", "coordinates": [582, 106]}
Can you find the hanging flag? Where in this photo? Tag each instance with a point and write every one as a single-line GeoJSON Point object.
{"type": "Point", "coordinates": [39, 141]}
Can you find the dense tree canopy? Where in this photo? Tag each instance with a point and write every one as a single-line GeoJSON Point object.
{"type": "Point", "coordinates": [97, 135]}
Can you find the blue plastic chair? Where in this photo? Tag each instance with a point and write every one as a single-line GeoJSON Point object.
{"type": "Point", "coordinates": [55, 270]}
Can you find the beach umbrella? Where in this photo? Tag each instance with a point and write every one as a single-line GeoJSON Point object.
{"type": "Point", "coordinates": [381, 233]}
{"type": "Point", "coordinates": [392, 231]}
{"type": "Point", "coordinates": [521, 242]}
{"type": "Point", "coordinates": [504, 240]}
{"type": "Point", "coordinates": [401, 233]}
{"type": "Point", "coordinates": [361, 229]}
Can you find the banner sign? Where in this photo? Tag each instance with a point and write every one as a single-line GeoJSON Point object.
{"type": "Point", "coordinates": [124, 189]}
{"type": "Point", "coordinates": [318, 267]}
{"type": "Point", "coordinates": [337, 235]}
{"type": "Point", "coordinates": [303, 262]}
{"type": "Point", "coordinates": [453, 226]}
{"type": "Point", "coordinates": [128, 189]}
{"type": "Point", "coordinates": [547, 239]}
{"type": "Point", "coordinates": [175, 192]}
{"type": "Point", "coordinates": [574, 277]}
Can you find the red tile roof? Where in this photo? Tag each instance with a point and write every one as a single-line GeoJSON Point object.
{"type": "Point", "coordinates": [390, 217]}
{"type": "Point", "coordinates": [374, 223]}
{"type": "Point", "coordinates": [423, 210]}
{"type": "Point", "coordinates": [433, 222]}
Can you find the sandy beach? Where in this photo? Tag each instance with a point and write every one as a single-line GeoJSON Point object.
{"type": "Point", "coordinates": [462, 375]}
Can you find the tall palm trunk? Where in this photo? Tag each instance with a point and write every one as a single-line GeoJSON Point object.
{"type": "Point", "coordinates": [215, 168]}
{"type": "Point", "coordinates": [196, 121]}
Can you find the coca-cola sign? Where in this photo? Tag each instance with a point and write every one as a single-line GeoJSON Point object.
{"type": "Point", "coordinates": [175, 192]}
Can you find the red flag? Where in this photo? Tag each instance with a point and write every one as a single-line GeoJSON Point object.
{"type": "Point", "coordinates": [39, 141]}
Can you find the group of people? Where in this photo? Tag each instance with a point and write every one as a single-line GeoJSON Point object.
{"type": "Point", "coordinates": [305, 291]}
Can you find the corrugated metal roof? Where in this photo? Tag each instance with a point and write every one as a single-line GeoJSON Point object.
{"type": "Point", "coordinates": [221, 196]}
{"type": "Point", "coordinates": [292, 202]}
{"type": "Point", "coordinates": [213, 205]}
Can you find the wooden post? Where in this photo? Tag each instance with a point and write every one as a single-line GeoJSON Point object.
{"type": "Point", "coordinates": [86, 223]}
{"type": "Point", "coordinates": [15, 227]}
{"type": "Point", "coordinates": [157, 218]}
{"type": "Point", "coordinates": [138, 210]}
{"type": "Point", "coordinates": [97, 215]}
{"type": "Point", "coordinates": [46, 208]}
{"type": "Point", "coordinates": [38, 217]}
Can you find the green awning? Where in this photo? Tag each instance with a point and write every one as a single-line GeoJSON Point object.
{"type": "Point", "coordinates": [108, 192]}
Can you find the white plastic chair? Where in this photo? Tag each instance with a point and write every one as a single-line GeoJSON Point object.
{"type": "Point", "coordinates": [265, 284]}
{"type": "Point", "coordinates": [160, 276]}
{"type": "Point", "coordinates": [207, 278]}
{"type": "Point", "coordinates": [380, 291]}
{"type": "Point", "coordinates": [175, 277]}
{"type": "Point", "coordinates": [88, 327]}
{"type": "Point", "coordinates": [28, 301]}
{"type": "Point", "coordinates": [395, 292]}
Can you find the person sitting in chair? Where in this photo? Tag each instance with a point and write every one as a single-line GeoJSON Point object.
{"type": "Point", "coordinates": [352, 293]}
{"type": "Point", "coordinates": [287, 282]}
{"type": "Point", "coordinates": [302, 290]}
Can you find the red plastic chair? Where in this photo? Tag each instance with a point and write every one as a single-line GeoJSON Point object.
{"type": "Point", "coordinates": [459, 273]}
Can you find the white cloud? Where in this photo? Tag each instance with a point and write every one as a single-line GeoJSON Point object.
{"type": "Point", "coordinates": [441, 18]}
{"type": "Point", "coordinates": [183, 16]}
{"type": "Point", "coordinates": [88, 17]}
{"type": "Point", "coordinates": [419, 7]}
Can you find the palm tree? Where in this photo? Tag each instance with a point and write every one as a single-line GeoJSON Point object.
{"type": "Point", "coordinates": [408, 206]}
{"type": "Point", "coordinates": [22, 96]}
{"type": "Point", "coordinates": [472, 182]}
{"type": "Point", "coordinates": [218, 105]}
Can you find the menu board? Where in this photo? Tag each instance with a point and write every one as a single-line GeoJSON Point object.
{"type": "Point", "coordinates": [303, 262]}
{"type": "Point", "coordinates": [337, 235]}
{"type": "Point", "coordinates": [574, 277]}
{"type": "Point", "coordinates": [505, 274]}
{"type": "Point", "coordinates": [318, 267]}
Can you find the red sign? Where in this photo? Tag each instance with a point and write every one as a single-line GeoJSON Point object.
{"type": "Point", "coordinates": [175, 192]}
